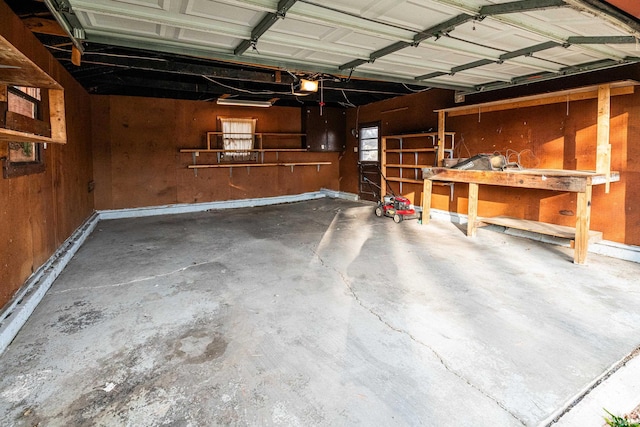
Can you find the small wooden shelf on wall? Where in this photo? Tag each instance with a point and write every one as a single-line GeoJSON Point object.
{"type": "Point", "coordinates": [18, 70]}
{"type": "Point", "coordinates": [259, 138]}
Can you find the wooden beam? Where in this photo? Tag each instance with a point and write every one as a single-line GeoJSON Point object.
{"type": "Point", "coordinates": [603, 147]}
{"type": "Point", "coordinates": [44, 26]}
{"type": "Point", "coordinates": [76, 56]}
{"type": "Point", "coordinates": [472, 212]}
{"type": "Point", "coordinates": [19, 70]}
{"type": "Point", "coordinates": [426, 200]}
{"type": "Point", "coordinates": [441, 136]}
{"type": "Point", "coordinates": [537, 100]}
{"type": "Point", "coordinates": [571, 181]}
{"type": "Point", "coordinates": [57, 116]}
{"type": "Point", "coordinates": [582, 226]}
{"type": "Point", "coordinates": [21, 123]}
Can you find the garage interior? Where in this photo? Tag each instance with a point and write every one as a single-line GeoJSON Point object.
{"type": "Point", "coordinates": [188, 221]}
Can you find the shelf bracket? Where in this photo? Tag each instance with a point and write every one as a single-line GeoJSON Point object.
{"type": "Point", "coordinates": [195, 170]}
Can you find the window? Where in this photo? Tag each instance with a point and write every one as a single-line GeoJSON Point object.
{"type": "Point", "coordinates": [369, 144]}
{"type": "Point", "coordinates": [23, 158]}
{"type": "Point", "coordinates": [237, 137]}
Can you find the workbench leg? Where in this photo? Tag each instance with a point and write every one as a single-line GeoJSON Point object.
{"type": "Point", "coordinates": [472, 213]}
{"type": "Point", "coordinates": [582, 226]}
{"type": "Point", "coordinates": [426, 200]}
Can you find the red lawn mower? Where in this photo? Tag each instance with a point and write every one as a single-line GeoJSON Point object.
{"type": "Point", "coordinates": [397, 207]}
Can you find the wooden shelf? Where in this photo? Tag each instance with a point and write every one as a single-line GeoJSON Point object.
{"type": "Point", "coordinates": [251, 165]}
{"type": "Point", "coordinates": [407, 154]}
{"type": "Point", "coordinates": [407, 180]}
{"type": "Point", "coordinates": [19, 70]}
{"type": "Point", "coordinates": [417, 135]}
{"type": "Point", "coordinates": [260, 134]}
{"type": "Point", "coordinates": [253, 150]}
{"type": "Point", "coordinates": [554, 230]}
{"type": "Point", "coordinates": [406, 166]}
{"type": "Point", "coordinates": [260, 161]}
{"type": "Point", "coordinates": [411, 150]}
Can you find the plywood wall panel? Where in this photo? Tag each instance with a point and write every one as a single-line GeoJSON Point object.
{"type": "Point", "coordinates": [38, 212]}
{"type": "Point", "coordinates": [405, 114]}
{"type": "Point", "coordinates": [101, 147]}
{"type": "Point", "coordinates": [16, 250]}
{"type": "Point", "coordinates": [73, 167]}
{"type": "Point", "coordinates": [143, 154]}
{"type": "Point", "coordinates": [138, 162]}
{"type": "Point", "coordinates": [560, 136]}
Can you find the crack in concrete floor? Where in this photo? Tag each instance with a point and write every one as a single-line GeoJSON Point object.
{"type": "Point", "coordinates": [134, 281]}
{"type": "Point", "coordinates": [352, 291]}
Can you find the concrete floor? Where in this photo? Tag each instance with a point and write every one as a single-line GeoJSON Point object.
{"type": "Point", "coordinates": [315, 313]}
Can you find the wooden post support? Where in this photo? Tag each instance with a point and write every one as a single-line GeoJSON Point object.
{"type": "Point", "coordinates": [582, 226]}
{"type": "Point", "coordinates": [603, 147]}
{"type": "Point", "coordinates": [57, 116]}
{"type": "Point", "coordinates": [441, 124]}
{"type": "Point", "coordinates": [426, 200]}
{"type": "Point", "coordinates": [472, 212]}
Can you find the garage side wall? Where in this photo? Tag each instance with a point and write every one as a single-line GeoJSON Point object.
{"type": "Point", "coordinates": [560, 136]}
{"type": "Point", "coordinates": [137, 159]}
{"type": "Point", "coordinates": [39, 212]}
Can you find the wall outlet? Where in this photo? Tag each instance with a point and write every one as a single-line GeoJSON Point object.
{"type": "Point", "coordinates": [355, 149]}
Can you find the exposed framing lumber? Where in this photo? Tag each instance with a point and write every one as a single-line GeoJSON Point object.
{"type": "Point", "coordinates": [579, 182]}
{"type": "Point", "coordinates": [441, 136]}
{"type": "Point", "coordinates": [591, 92]}
{"type": "Point", "coordinates": [603, 147]}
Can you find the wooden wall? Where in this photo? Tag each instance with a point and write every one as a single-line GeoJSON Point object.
{"type": "Point", "coordinates": [401, 115]}
{"type": "Point", "coordinates": [558, 136]}
{"type": "Point", "coordinates": [39, 212]}
{"type": "Point", "coordinates": [137, 163]}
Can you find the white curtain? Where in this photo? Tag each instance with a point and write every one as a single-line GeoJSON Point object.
{"type": "Point", "coordinates": [237, 135]}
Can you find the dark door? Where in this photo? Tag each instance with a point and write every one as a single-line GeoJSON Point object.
{"type": "Point", "coordinates": [369, 162]}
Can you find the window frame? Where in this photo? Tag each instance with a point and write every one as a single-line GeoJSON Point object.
{"type": "Point", "coordinates": [12, 168]}
{"type": "Point", "coordinates": [361, 129]}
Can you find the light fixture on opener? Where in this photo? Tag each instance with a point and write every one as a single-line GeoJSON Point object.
{"type": "Point", "coordinates": [304, 87]}
{"type": "Point", "coordinates": [243, 102]}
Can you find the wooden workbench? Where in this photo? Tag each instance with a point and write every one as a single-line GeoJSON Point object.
{"type": "Point", "coordinates": [579, 182]}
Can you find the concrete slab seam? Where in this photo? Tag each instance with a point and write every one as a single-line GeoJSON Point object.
{"type": "Point", "coordinates": [441, 360]}
{"type": "Point", "coordinates": [574, 401]}
{"type": "Point", "coordinates": [24, 302]}
{"type": "Point", "coordinates": [202, 207]}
